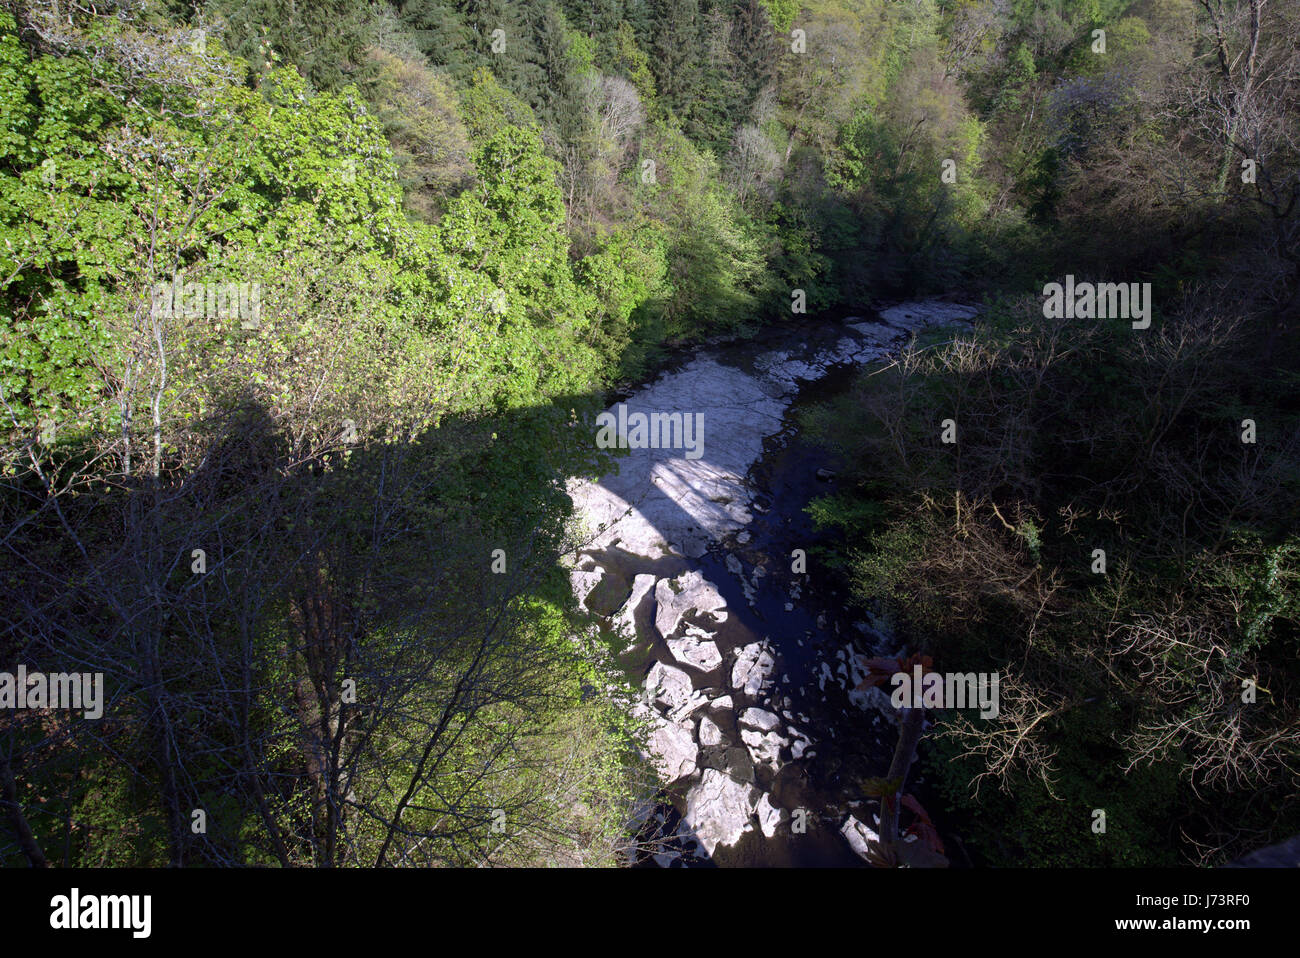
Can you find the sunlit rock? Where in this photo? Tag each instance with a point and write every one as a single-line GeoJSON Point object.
{"type": "Point", "coordinates": [751, 671]}
{"type": "Point", "coordinates": [710, 733]}
{"type": "Point", "coordinates": [769, 816]}
{"type": "Point", "coordinates": [668, 685]}
{"type": "Point", "coordinates": [624, 621]}
{"type": "Point", "coordinates": [690, 592]}
{"type": "Point", "coordinates": [858, 835]}
{"type": "Point", "coordinates": [759, 719]}
{"type": "Point", "coordinates": [718, 810]}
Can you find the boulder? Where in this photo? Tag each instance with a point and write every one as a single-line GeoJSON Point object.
{"type": "Point", "coordinates": [710, 734]}
{"type": "Point", "coordinates": [673, 750]}
{"type": "Point", "coordinates": [769, 816]}
{"type": "Point", "coordinates": [690, 592]}
{"type": "Point", "coordinates": [759, 719]}
{"type": "Point", "coordinates": [668, 685]}
{"type": "Point", "coordinates": [764, 748]}
{"type": "Point", "coordinates": [688, 708]}
{"type": "Point", "coordinates": [624, 621]}
{"type": "Point", "coordinates": [751, 671]}
{"type": "Point", "coordinates": [718, 810]}
{"type": "Point", "coordinates": [737, 763]}
{"type": "Point", "coordinates": [874, 697]}
{"type": "Point", "coordinates": [583, 581]}
{"type": "Point", "coordinates": [858, 835]}
{"type": "Point", "coordinates": [699, 653]}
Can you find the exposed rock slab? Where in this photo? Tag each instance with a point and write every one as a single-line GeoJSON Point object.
{"type": "Point", "coordinates": [710, 733]}
{"type": "Point", "coordinates": [764, 747]}
{"type": "Point", "coordinates": [680, 500]}
{"type": "Point", "coordinates": [751, 671]}
{"type": "Point", "coordinates": [661, 500]}
{"type": "Point", "coordinates": [624, 621]}
{"type": "Point", "coordinates": [583, 581]}
{"type": "Point", "coordinates": [698, 653]}
{"type": "Point", "coordinates": [760, 719]}
{"type": "Point", "coordinates": [668, 685]}
{"type": "Point", "coordinates": [858, 835]}
{"type": "Point", "coordinates": [673, 750]}
{"type": "Point", "coordinates": [718, 810]}
{"type": "Point", "coordinates": [690, 592]}
{"type": "Point", "coordinates": [769, 816]}
{"type": "Point", "coordinates": [918, 315]}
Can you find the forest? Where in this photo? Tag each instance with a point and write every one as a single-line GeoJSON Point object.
{"type": "Point", "coordinates": [307, 304]}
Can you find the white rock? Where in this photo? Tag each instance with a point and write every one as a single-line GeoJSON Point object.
{"type": "Point", "coordinates": [689, 592]}
{"type": "Point", "coordinates": [668, 685]}
{"type": "Point", "coordinates": [763, 747]}
{"type": "Point", "coordinates": [752, 668]}
{"type": "Point", "coordinates": [698, 653]}
{"type": "Point", "coordinates": [710, 734]}
{"type": "Point", "coordinates": [684, 711]}
{"type": "Point", "coordinates": [624, 621]}
{"type": "Point", "coordinates": [723, 702]}
{"type": "Point", "coordinates": [583, 581]}
{"type": "Point", "coordinates": [858, 835]}
{"type": "Point", "coordinates": [874, 697]}
{"type": "Point", "coordinates": [718, 810]}
{"type": "Point", "coordinates": [822, 677]}
{"type": "Point", "coordinates": [759, 719]}
{"type": "Point", "coordinates": [671, 747]}
{"type": "Point", "coordinates": [769, 816]}
{"type": "Point", "coordinates": [927, 313]}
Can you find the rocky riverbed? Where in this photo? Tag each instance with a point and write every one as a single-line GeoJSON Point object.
{"type": "Point", "coordinates": [701, 571]}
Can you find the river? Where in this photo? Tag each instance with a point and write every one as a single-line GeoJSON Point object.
{"type": "Point", "coordinates": [702, 571]}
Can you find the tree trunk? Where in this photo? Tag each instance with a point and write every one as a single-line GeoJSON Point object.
{"type": "Point", "coordinates": [17, 821]}
{"type": "Point", "coordinates": [909, 735]}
